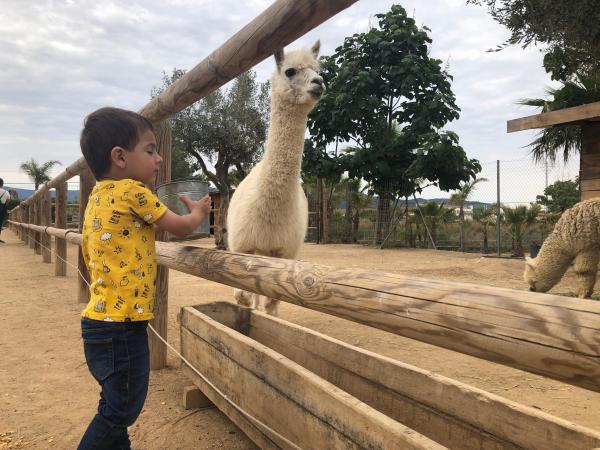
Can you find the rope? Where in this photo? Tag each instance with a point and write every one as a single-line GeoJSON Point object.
{"type": "Point", "coordinates": [257, 422]}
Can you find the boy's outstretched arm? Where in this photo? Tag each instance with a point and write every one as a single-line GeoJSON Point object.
{"type": "Point", "coordinates": [185, 225]}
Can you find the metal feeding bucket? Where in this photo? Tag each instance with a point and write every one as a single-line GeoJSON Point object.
{"type": "Point", "coordinates": [168, 194]}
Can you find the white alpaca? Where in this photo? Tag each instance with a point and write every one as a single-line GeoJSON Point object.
{"type": "Point", "coordinates": [268, 214]}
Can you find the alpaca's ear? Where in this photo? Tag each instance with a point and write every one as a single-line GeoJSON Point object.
{"type": "Point", "coordinates": [279, 58]}
{"type": "Point", "coordinates": [315, 48]}
{"type": "Point", "coordinates": [530, 262]}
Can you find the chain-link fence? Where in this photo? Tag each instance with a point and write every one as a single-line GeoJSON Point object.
{"type": "Point", "coordinates": [346, 213]}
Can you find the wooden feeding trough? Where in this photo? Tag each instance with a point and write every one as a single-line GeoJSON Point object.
{"type": "Point", "coordinates": [315, 392]}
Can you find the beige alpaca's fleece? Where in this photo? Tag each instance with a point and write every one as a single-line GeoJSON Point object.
{"type": "Point", "coordinates": [576, 236]}
{"type": "Point", "coordinates": [268, 213]}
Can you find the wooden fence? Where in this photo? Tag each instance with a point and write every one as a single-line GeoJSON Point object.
{"type": "Point", "coordinates": [544, 334]}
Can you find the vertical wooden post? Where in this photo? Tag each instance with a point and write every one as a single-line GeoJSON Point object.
{"type": "Point", "coordinates": [32, 208]}
{"type": "Point", "coordinates": [325, 212]}
{"type": "Point", "coordinates": [158, 350]}
{"type": "Point", "coordinates": [24, 231]}
{"type": "Point", "coordinates": [589, 167]}
{"type": "Point", "coordinates": [60, 221]}
{"type": "Point", "coordinates": [37, 247]}
{"type": "Point", "coordinates": [46, 221]}
{"type": "Point", "coordinates": [86, 184]}
{"type": "Point", "coordinates": [216, 209]}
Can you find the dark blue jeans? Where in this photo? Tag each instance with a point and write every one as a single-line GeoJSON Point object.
{"type": "Point", "coordinates": [118, 358]}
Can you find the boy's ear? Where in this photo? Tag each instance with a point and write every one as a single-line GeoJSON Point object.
{"type": "Point", "coordinates": [117, 157]}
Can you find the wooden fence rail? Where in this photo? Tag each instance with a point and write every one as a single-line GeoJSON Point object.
{"type": "Point", "coordinates": [277, 26]}
{"type": "Point", "coordinates": [544, 334]}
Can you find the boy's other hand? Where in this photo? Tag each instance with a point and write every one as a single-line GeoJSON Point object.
{"type": "Point", "coordinates": [201, 206]}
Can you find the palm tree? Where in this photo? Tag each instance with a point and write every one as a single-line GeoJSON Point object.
{"type": "Point", "coordinates": [581, 89]}
{"type": "Point", "coordinates": [38, 173]}
{"type": "Point", "coordinates": [486, 217]}
{"type": "Point", "coordinates": [459, 198]}
{"type": "Point", "coordinates": [436, 214]}
{"type": "Point", "coordinates": [519, 219]}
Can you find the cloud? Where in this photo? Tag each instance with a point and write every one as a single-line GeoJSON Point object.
{"type": "Point", "coordinates": [62, 60]}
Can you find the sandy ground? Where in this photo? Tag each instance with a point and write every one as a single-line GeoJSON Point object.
{"type": "Point", "coordinates": [47, 395]}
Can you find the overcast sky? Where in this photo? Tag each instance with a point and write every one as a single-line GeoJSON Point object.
{"type": "Point", "coordinates": [63, 59]}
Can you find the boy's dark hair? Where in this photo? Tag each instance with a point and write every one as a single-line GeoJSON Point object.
{"type": "Point", "coordinates": [1, 182]}
{"type": "Point", "coordinates": [107, 128]}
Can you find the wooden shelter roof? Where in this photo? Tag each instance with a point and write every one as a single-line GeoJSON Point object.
{"type": "Point", "coordinates": [589, 112]}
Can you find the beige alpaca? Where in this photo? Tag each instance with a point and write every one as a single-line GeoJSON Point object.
{"type": "Point", "coordinates": [268, 214]}
{"type": "Point", "coordinates": [576, 236]}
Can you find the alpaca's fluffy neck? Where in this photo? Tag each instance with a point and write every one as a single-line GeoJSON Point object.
{"type": "Point", "coordinates": [553, 259]}
{"type": "Point", "coordinates": [282, 161]}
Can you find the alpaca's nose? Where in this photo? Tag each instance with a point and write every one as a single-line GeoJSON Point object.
{"type": "Point", "coordinates": [318, 81]}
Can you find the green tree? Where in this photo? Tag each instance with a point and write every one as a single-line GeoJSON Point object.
{"type": "Point", "coordinates": [560, 196]}
{"type": "Point", "coordinates": [436, 215]}
{"type": "Point", "coordinates": [390, 100]}
{"type": "Point", "coordinates": [459, 198]}
{"type": "Point", "coordinates": [569, 30]}
{"type": "Point", "coordinates": [580, 90]}
{"type": "Point", "coordinates": [227, 129]}
{"type": "Point", "coordinates": [519, 219]}
{"type": "Point", "coordinates": [487, 218]}
{"type": "Point", "coordinates": [38, 172]}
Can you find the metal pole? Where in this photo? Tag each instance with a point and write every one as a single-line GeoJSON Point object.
{"type": "Point", "coordinates": [498, 217]}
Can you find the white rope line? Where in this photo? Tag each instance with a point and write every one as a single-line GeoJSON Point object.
{"type": "Point", "coordinates": [254, 420]}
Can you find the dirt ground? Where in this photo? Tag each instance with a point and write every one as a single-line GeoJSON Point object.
{"type": "Point", "coordinates": [47, 395]}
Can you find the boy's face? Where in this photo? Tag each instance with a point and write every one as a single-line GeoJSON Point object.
{"type": "Point", "coordinates": [143, 161]}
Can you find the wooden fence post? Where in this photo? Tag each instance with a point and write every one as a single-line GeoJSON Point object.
{"type": "Point", "coordinates": [86, 184]}
{"type": "Point", "coordinates": [60, 221]}
{"type": "Point", "coordinates": [38, 221]}
{"type": "Point", "coordinates": [158, 350]}
{"type": "Point", "coordinates": [46, 220]}
{"type": "Point", "coordinates": [24, 231]}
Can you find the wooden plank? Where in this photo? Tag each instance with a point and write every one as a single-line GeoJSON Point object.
{"type": "Point", "coordinates": [158, 350]}
{"type": "Point", "coordinates": [46, 220]}
{"type": "Point", "coordinates": [86, 184]}
{"type": "Point", "coordinates": [281, 23]}
{"type": "Point", "coordinates": [589, 195]}
{"type": "Point", "coordinates": [296, 403]}
{"type": "Point", "coordinates": [451, 413]}
{"type": "Point", "coordinates": [60, 219]}
{"type": "Point", "coordinates": [590, 185]}
{"type": "Point", "coordinates": [545, 334]}
{"type": "Point", "coordinates": [567, 116]}
{"type": "Point", "coordinates": [25, 233]}
{"type": "Point", "coordinates": [37, 244]}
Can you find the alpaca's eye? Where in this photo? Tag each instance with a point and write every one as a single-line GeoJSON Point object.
{"type": "Point", "coordinates": [290, 73]}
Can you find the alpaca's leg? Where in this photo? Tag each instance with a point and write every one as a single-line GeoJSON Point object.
{"type": "Point", "coordinates": [586, 267]}
{"type": "Point", "coordinates": [272, 306]}
{"type": "Point", "coordinates": [243, 298]}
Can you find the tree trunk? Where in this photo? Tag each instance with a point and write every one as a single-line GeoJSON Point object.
{"type": "Point", "coordinates": [383, 215]}
{"type": "Point", "coordinates": [223, 186]}
{"type": "Point", "coordinates": [518, 243]}
{"type": "Point", "coordinates": [407, 225]}
{"type": "Point", "coordinates": [485, 240]}
{"type": "Point", "coordinates": [461, 218]}
{"type": "Point", "coordinates": [348, 232]}
{"type": "Point", "coordinates": [325, 213]}
{"type": "Point", "coordinates": [355, 223]}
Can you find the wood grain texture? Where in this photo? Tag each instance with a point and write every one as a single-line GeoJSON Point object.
{"type": "Point", "coordinates": [567, 116]}
{"type": "Point", "coordinates": [60, 221]}
{"type": "Point", "coordinates": [158, 350]}
{"type": "Point", "coordinates": [449, 412]}
{"type": "Point", "coordinates": [86, 184]}
{"type": "Point", "coordinates": [277, 26]}
{"type": "Point", "coordinates": [550, 335]}
{"type": "Point", "coordinates": [46, 221]}
{"type": "Point", "coordinates": [293, 401]}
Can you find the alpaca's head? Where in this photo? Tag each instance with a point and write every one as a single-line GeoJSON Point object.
{"type": "Point", "coordinates": [532, 277]}
{"type": "Point", "coordinates": [296, 80]}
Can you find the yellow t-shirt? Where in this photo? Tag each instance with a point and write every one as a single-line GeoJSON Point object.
{"type": "Point", "coordinates": [118, 249]}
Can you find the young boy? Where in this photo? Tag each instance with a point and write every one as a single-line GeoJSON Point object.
{"type": "Point", "coordinates": [118, 247]}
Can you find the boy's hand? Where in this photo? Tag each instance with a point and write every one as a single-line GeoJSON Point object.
{"type": "Point", "coordinates": [201, 206]}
